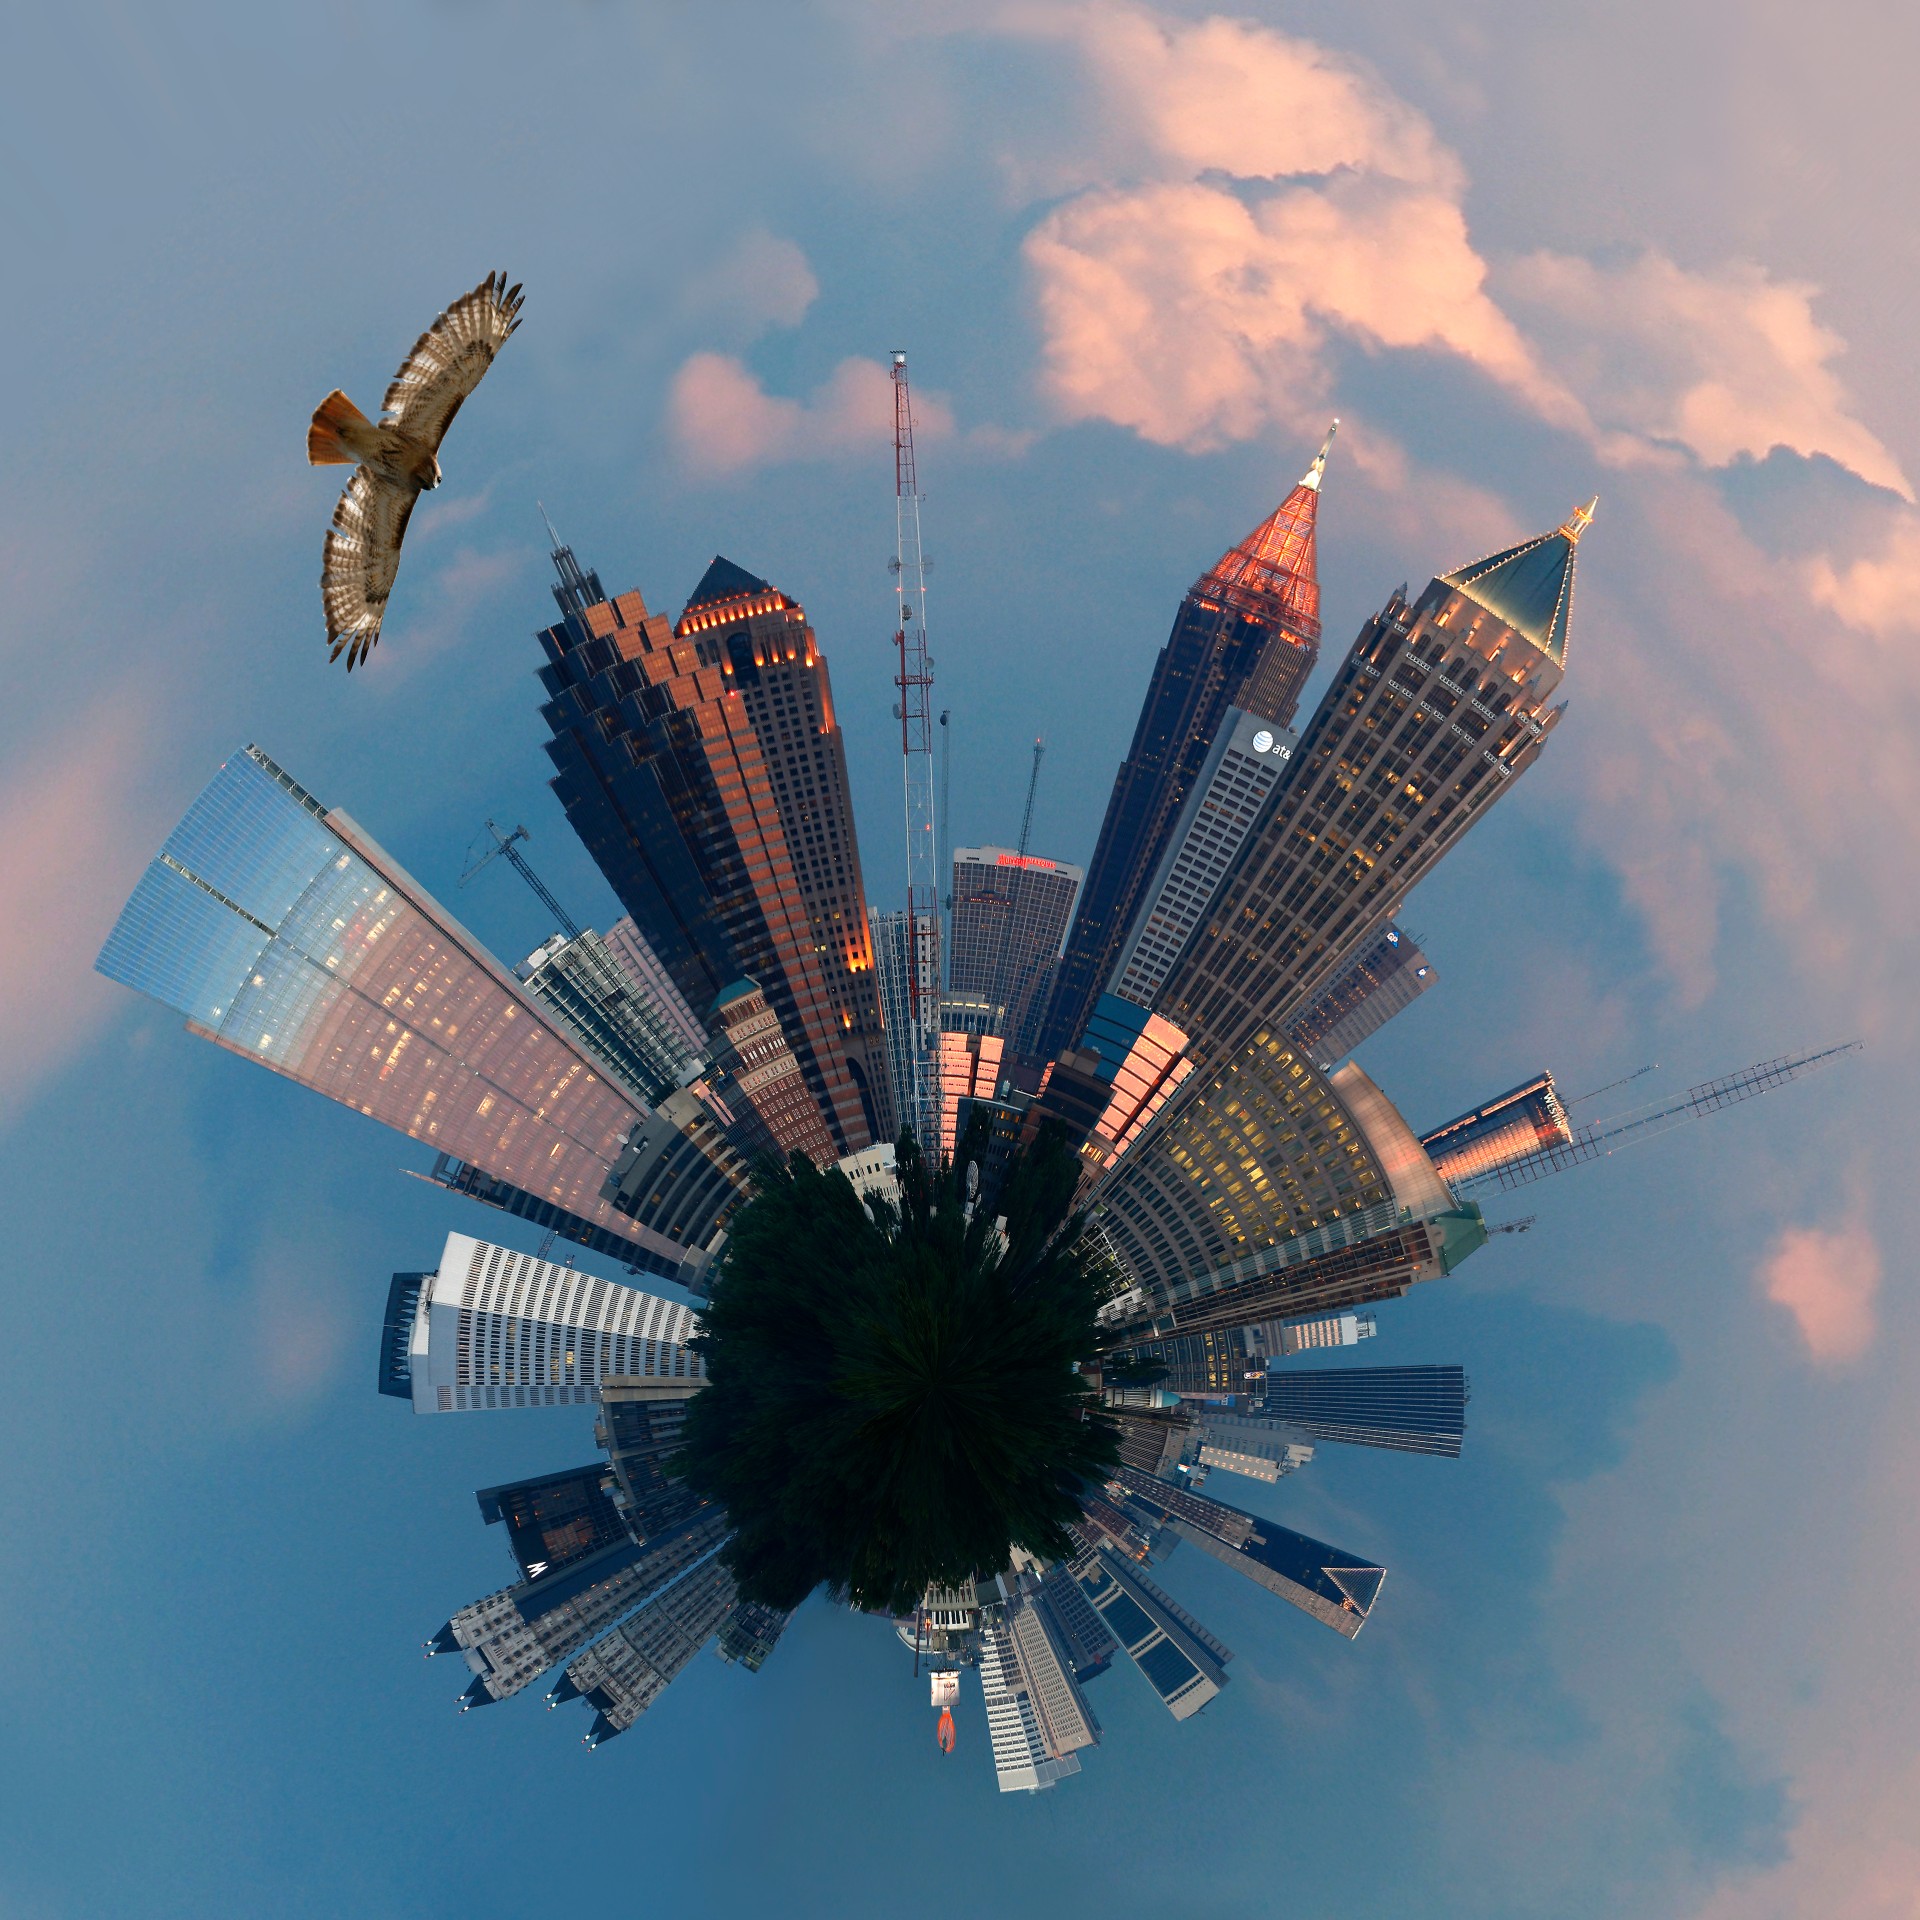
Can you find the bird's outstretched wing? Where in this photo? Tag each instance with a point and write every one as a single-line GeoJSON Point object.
{"type": "Point", "coordinates": [358, 564]}
{"type": "Point", "coordinates": [448, 360]}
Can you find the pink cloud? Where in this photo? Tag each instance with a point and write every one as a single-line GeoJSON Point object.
{"type": "Point", "coordinates": [723, 421]}
{"type": "Point", "coordinates": [1878, 593]}
{"type": "Point", "coordinates": [1828, 1281]}
{"type": "Point", "coordinates": [71, 844]}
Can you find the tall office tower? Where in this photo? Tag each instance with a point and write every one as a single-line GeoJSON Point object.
{"type": "Point", "coordinates": [665, 780]}
{"type": "Point", "coordinates": [1022, 1759]}
{"type": "Point", "coordinates": [1246, 635]}
{"type": "Point", "coordinates": [621, 1676]}
{"type": "Point", "coordinates": [1142, 1063]}
{"type": "Point", "coordinates": [512, 1637]}
{"type": "Point", "coordinates": [1279, 1165]}
{"type": "Point", "coordinates": [972, 1014]}
{"type": "Point", "coordinates": [1152, 1441]}
{"type": "Point", "coordinates": [591, 995]}
{"type": "Point", "coordinates": [1334, 1587]}
{"type": "Point", "coordinates": [494, 1328]}
{"type": "Point", "coordinates": [1251, 1447]}
{"type": "Point", "coordinates": [1184, 1664]}
{"type": "Point", "coordinates": [1235, 783]}
{"type": "Point", "coordinates": [757, 1076]}
{"type": "Point", "coordinates": [1198, 1364]}
{"type": "Point", "coordinates": [1410, 1409]}
{"type": "Point", "coordinates": [1282, 1339]}
{"type": "Point", "coordinates": [775, 668]}
{"type": "Point", "coordinates": [891, 974]}
{"type": "Point", "coordinates": [557, 1519]}
{"type": "Point", "coordinates": [1086, 1638]}
{"type": "Point", "coordinates": [1503, 1131]}
{"type": "Point", "coordinates": [287, 935]}
{"type": "Point", "coordinates": [1010, 911]}
{"type": "Point", "coordinates": [641, 1422]}
{"type": "Point", "coordinates": [966, 1068]}
{"type": "Point", "coordinates": [1383, 979]}
{"type": "Point", "coordinates": [1439, 706]}
{"type": "Point", "coordinates": [751, 1632]}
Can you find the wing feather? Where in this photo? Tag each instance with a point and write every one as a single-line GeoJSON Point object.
{"type": "Point", "coordinates": [359, 562]}
{"type": "Point", "coordinates": [449, 359]}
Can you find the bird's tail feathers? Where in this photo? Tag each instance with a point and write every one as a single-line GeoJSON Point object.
{"type": "Point", "coordinates": [340, 432]}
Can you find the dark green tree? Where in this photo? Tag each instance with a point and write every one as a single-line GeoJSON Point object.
{"type": "Point", "coordinates": [892, 1398]}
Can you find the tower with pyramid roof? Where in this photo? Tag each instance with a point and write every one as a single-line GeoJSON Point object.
{"type": "Point", "coordinates": [1440, 705]}
{"type": "Point", "coordinates": [1246, 635]}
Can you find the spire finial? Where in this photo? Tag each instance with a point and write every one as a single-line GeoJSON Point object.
{"type": "Point", "coordinates": [558, 543]}
{"type": "Point", "coordinates": [1315, 473]}
{"type": "Point", "coordinates": [1579, 520]}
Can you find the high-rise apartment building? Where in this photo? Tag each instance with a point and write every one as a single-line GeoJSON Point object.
{"type": "Point", "coordinates": [897, 968]}
{"type": "Point", "coordinates": [1247, 635]}
{"type": "Point", "coordinates": [495, 1328]}
{"type": "Point", "coordinates": [1520, 1122]}
{"type": "Point", "coordinates": [1231, 792]}
{"type": "Point", "coordinates": [664, 777]}
{"type": "Point", "coordinates": [589, 993]}
{"type": "Point", "coordinates": [1037, 1717]}
{"type": "Point", "coordinates": [760, 1081]}
{"type": "Point", "coordinates": [1010, 913]}
{"type": "Point", "coordinates": [1383, 979]}
{"type": "Point", "coordinates": [285, 933]}
{"type": "Point", "coordinates": [1408, 1409]}
{"type": "Point", "coordinates": [556, 1519]}
{"type": "Point", "coordinates": [653, 983]}
{"type": "Point", "coordinates": [775, 669]}
{"type": "Point", "coordinates": [621, 1676]}
{"type": "Point", "coordinates": [512, 1637]}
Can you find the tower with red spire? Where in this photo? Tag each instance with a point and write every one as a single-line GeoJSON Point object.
{"type": "Point", "coordinates": [1247, 635]}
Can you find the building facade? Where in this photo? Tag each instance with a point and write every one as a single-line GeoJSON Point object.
{"type": "Point", "coordinates": [756, 1075]}
{"type": "Point", "coordinates": [556, 1519]}
{"type": "Point", "coordinates": [1383, 979]}
{"type": "Point", "coordinates": [1010, 913]}
{"type": "Point", "coordinates": [654, 984]}
{"type": "Point", "coordinates": [897, 968]}
{"type": "Point", "coordinates": [1247, 634]}
{"type": "Point", "coordinates": [1502, 1132]}
{"type": "Point", "coordinates": [588, 992]}
{"type": "Point", "coordinates": [1407, 1409]}
{"type": "Point", "coordinates": [286, 934]}
{"type": "Point", "coordinates": [494, 1328]}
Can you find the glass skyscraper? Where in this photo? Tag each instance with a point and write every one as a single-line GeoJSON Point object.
{"type": "Point", "coordinates": [283, 932]}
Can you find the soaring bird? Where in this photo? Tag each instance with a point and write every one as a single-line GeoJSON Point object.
{"type": "Point", "coordinates": [398, 458]}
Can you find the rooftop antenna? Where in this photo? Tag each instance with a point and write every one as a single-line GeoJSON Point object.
{"type": "Point", "coordinates": [1033, 782]}
{"type": "Point", "coordinates": [504, 848]}
{"type": "Point", "coordinates": [915, 681]}
{"type": "Point", "coordinates": [578, 587]}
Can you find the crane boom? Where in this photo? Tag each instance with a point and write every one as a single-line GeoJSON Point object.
{"type": "Point", "coordinates": [504, 847]}
{"type": "Point", "coordinates": [1597, 1139]}
{"type": "Point", "coordinates": [918, 1102]}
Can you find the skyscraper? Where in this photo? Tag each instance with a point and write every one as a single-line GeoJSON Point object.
{"type": "Point", "coordinates": [776, 670]}
{"type": "Point", "coordinates": [664, 777]}
{"type": "Point", "coordinates": [512, 1637]}
{"type": "Point", "coordinates": [1332, 1587]}
{"type": "Point", "coordinates": [750, 1632]}
{"type": "Point", "coordinates": [894, 970]}
{"type": "Point", "coordinates": [1437, 709]}
{"type": "Point", "coordinates": [1503, 1131]}
{"type": "Point", "coordinates": [760, 1081]}
{"type": "Point", "coordinates": [1247, 635]}
{"type": "Point", "coordinates": [967, 1069]}
{"type": "Point", "coordinates": [624, 1674]}
{"type": "Point", "coordinates": [1383, 979]}
{"type": "Point", "coordinates": [1037, 1717]}
{"type": "Point", "coordinates": [1010, 911]}
{"type": "Point", "coordinates": [556, 1519]}
{"type": "Point", "coordinates": [1231, 792]}
{"type": "Point", "coordinates": [1184, 1665]}
{"type": "Point", "coordinates": [638, 961]}
{"type": "Point", "coordinates": [495, 1328]}
{"type": "Point", "coordinates": [284, 933]}
{"type": "Point", "coordinates": [591, 995]}
{"type": "Point", "coordinates": [1409, 1409]}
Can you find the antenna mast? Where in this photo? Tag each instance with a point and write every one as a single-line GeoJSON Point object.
{"type": "Point", "coordinates": [1033, 783]}
{"type": "Point", "coordinates": [915, 681]}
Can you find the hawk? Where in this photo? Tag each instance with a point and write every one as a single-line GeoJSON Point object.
{"type": "Point", "coordinates": [397, 458]}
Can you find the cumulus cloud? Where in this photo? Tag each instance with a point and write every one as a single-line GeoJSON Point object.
{"type": "Point", "coordinates": [1878, 593]}
{"type": "Point", "coordinates": [763, 281]}
{"type": "Point", "coordinates": [1723, 363]}
{"type": "Point", "coordinates": [723, 421]}
{"type": "Point", "coordinates": [1828, 1280]}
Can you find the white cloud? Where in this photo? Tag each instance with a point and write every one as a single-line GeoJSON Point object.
{"type": "Point", "coordinates": [763, 282]}
{"type": "Point", "coordinates": [1828, 1281]}
{"type": "Point", "coordinates": [723, 421]}
{"type": "Point", "coordinates": [1877, 593]}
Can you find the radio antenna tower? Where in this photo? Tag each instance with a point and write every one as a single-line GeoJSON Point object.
{"type": "Point", "coordinates": [1033, 785]}
{"type": "Point", "coordinates": [915, 681]}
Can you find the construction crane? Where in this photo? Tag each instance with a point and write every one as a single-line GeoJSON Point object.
{"type": "Point", "coordinates": [504, 847]}
{"type": "Point", "coordinates": [1033, 786]}
{"type": "Point", "coordinates": [1597, 1139]}
{"type": "Point", "coordinates": [915, 681]}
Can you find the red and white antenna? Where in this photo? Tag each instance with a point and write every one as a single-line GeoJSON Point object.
{"type": "Point", "coordinates": [918, 1102]}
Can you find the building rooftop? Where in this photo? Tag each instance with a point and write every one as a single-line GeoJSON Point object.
{"type": "Point", "coordinates": [1530, 586]}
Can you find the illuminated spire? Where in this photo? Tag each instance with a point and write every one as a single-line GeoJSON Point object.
{"type": "Point", "coordinates": [1530, 586]}
{"type": "Point", "coordinates": [1272, 573]}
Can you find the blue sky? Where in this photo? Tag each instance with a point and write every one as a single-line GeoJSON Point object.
{"type": "Point", "coordinates": [1646, 1649]}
